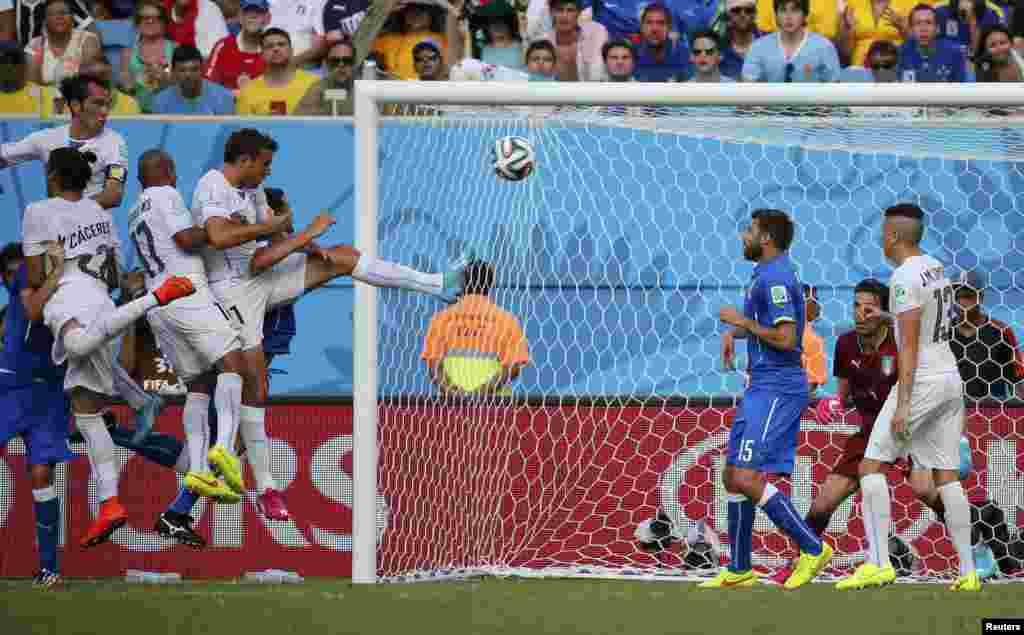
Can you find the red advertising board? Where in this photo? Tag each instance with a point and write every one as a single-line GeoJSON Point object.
{"type": "Point", "coordinates": [520, 486]}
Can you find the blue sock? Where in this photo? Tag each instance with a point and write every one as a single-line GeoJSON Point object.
{"type": "Point", "coordinates": [781, 511]}
{"type": "Point", "coordinates": [741, 532]}
{"type": "Point", "coordinates": [47, 512]}
{"type": "Point", "coordinates": [162, 449]}
{"type": "Point", "coordinates": [184, 502]}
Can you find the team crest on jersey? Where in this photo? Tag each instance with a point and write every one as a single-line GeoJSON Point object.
{"type": "Point", "coordinates": [779, 295]}
{"type": "Point", "coordinates": [888, 365]}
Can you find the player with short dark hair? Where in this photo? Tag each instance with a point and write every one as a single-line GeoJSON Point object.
{"type": "Point", "coordinates": [763, 436]}
{"type": "Point", "coordinates": [923, 415]}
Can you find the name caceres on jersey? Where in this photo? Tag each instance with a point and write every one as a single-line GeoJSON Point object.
{"type": "Point", "coordinates": [216, 197]}
{"type": "Point", "coordinates": [157, 216]}
{"type": "Point", "coordinates": [87, 233]}
{"type": "Point", "coordinates": [921, 282]}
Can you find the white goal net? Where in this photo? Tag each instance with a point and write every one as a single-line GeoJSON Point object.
{"type": "Point", "coordinates": [615, 255]}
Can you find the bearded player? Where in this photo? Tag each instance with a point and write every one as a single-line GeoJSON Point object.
{"type": "Point", "coordinates": [252, 265]}
{"type": "Point", "coordinates": [923, 415]}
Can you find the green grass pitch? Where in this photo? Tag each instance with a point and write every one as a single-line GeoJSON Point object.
{"type": "Point", "coordinates": [513, 607]}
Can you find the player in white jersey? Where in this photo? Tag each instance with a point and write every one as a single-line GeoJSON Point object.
{"type": "Point", "coordinates": [81, 315]}
{"type": "Point", "coordinates": [195, 333]}
{"type": "Point", "coordinates": [88, 100]}
{"type": "Point", "coordinates": [924, 413]}
{"type": "Point", "coordinates": [252, 266]}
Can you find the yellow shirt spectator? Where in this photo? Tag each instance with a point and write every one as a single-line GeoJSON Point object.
{"type": "Point", "coordinates": [866, 30]}
{"type": "Point", "coordinates": [258, 98]}
{"type": "Point", "coordinates": [124, 105]}
{"type": "Point", "coordinates": [32, 99]}
{"type": "Point", "coordinates": [472, 343]}
{"type": "Point", "coordinates": [823, 18]}
{"type": "Point", "coordinates": [813, 357]}
{"type": "Point", "coordinates": [395, 50]}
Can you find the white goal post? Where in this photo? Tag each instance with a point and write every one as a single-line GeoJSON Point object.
{"type": "Point", "coordinates": [371, 96]}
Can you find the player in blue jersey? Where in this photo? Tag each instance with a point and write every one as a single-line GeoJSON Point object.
{"type": "Point", "coordinates": [32, 401]}
{"type": "Point", "coordinates": [763, 437]}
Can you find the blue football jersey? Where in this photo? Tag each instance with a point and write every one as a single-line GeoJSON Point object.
{"type": "Point", "coordinates": [775, 296]}
{"type": "Point", "coordinates": [27, 345]}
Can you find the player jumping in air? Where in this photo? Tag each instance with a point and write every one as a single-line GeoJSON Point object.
{"type": "Point", "coordinates": [194, 334]}
{"type": "Point", "coordinates": [81, 315]}
{"type": "Point", "coordinates": [252, 265]}
{"type": "Point", "coordinates": [764, 433]}
{"type": "Point", "coordinates": [923, 415]}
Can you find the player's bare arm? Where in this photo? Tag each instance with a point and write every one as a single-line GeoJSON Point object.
{"type": "Point", "coordinates": [275, 252]}
{"type": "Point", "coordinates": [781, 336]}
{"type": "Point", "coordinates": [34, 297]}
{"type": "Point", "coordinates": [909, 327]}
{"type": "Point", "coordinates": [112, 194]}
{"type": "Point", "coordinates": [225, 233]}
{"type": "Point", "coordinates": [192, 239]}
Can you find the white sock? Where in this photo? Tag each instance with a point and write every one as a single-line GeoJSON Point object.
{"type": "Point", "coordinates": [228, 399]}
{"type": "Point", "coordinates": [769, 491]}
{"type": "Point", "coordinates": [181, 466]}
{"type": "Point", "coordinates": [255, 436]}
{"type": "Point", "coordinates": [958, 523]}
{"type": "Point", "coordinates": [83, 341]}
{"type": "Point", "coordinates": [875, 490]}
{"type": "Point", "coordinates": [381, 273]}
{"type": "Point", "coordinates": [869, 531]}
{"type": "Point", "coordinates": [101, 453]}
{"type": "Point", "coordinates": [128, 388]}
{"type": "Point", "coordinates": [195, 418]}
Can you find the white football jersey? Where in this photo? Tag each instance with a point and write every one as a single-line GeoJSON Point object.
{"type": "Point", "coordinates": [158, 215]}
{"type": "Point", "coordinates": [214, 196]}
{"type": "Point", "coordinates": [84, 228]}
{"type": "Point", "coordinates": [921, 282]}
{"type": "Point", "coordinates": [109, 147]}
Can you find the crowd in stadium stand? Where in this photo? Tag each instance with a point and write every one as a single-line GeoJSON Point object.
{"type": "Point", "coordinates": [284, 57]}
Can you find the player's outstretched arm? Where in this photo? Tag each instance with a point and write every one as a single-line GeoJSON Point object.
{"type": "Point", "coordinates": [192, 239]}
{"type": "Point", "coordinates": [267, 257]}
{"type": "Point", "coordinates": [225, 233]}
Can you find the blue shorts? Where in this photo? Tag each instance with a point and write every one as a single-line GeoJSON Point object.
{"type": "Point", "coordinates": [764, 434]}
{"type": "Point", "coordinates": [39, 413]}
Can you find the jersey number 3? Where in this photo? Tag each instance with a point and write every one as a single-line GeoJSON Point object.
{"type": "Point", "coordinates": [943, 329]}
{"type": "Point", "coordinates": [153, 265]}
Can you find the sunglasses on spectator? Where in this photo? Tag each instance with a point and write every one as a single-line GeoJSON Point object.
{"type": "Point", "coordinates": [743, 10]}
{"type": "Point", "coordinates": [150, 16]}
{"type": "Point", "coordinates": [426, 59]}
{"type": "Point", "coordinates": [883, 66]}
{"type": "Point", "coordinates": [710, 51]}
{"type": "Point", "coordinates": [334, 62]}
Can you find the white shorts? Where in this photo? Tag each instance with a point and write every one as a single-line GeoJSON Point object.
{"type": "Point", "coordinates": [936, 424]}
{"type": "Point", "coordinates": [193, 333]}
{"type": "Point", "coordinates": [247, 301]}
{"type": "Point", "coordinates": [82, 302]}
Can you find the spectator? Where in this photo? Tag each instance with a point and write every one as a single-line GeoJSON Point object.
{"type": "Point", "coordinates": [189, 93]}
{"type": "Point", "coordinates": [663, 54]}
{"type": "Point", "coordinates": [61, 48]}
{"type": "Point", "coordinates": [238, 58]}
{"type": "Point", "coordinates": [707, 58]}
{"type": "Point", "coordinates": [145, 68]}
{"type": "Point", "coordinates": [988, 357]}
{"type": "Point", "coordinates": [740, 33]}
{"type": "Point", "coordinates": [428, 61]}
{"type": "Point", "coordinates": [619, 61]}
{"type": "Point", "coordinates": [340, 65]}
{"type": "Point", "coordinates": [996, 60]}
{"type": "Point", "coordinates": [868, 21]}
{"type": "Point", "coordinates": [28, 18]}
{"type": "Point", "coordinates": [278, 90]}
{"type": "Point", "coordinates": [577, 45]}
{"type": "Point", "coordinates": [198, 23]}
{"type": "Point", "coordinates": [813, 356]}
{"type": "Point", "coordinates": [883, 60]}
{"type": "Point", "coordinates": [395, 49]}
{"type": "Point", "coordinates": [474, 347]}
{"type": "Point", "coordinates": [17, 94]}
{"type": "Point", "coordinates": [337, 20]}
{"type": "Point", "coordinates": [120, 103]}
{"type": "Point", "coordinates": [961, 21]}
{"type": "Point", "coordinates": [502, 46]}
{"type": "Point", "coordinates": [792, 54]}
{"type": "Point", "coordinates": [923, 58]}
{"type": "Point", "coordinates": [822, 17]}
{"type": "Point", "coordinates": [232, 12]}
{"type": "Point", "coordinates": [540, 61]}
{"type": "Point", "coordinates": [297, 17]}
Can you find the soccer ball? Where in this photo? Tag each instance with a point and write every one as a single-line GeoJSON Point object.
{"type": "Point", "coordinates": [513, 158]}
